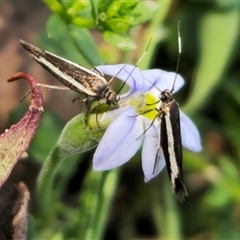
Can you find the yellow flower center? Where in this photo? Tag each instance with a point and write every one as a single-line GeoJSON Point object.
{"type": "Point", "coordinates": [145, 105]}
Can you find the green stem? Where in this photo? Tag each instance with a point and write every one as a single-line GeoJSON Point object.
{"type": "Point", "coordinates": [44, 186]}
{"type": "Point", "coordinates": [165, 212]}
{"type": "Point", "coordinates": [95, 201]}
{"type": "Point", "coordinates": [69, 143]}
{"type": "Point", "coordinates": [106, 195]}
{"type": "Point", "coordinates": [172, 227]}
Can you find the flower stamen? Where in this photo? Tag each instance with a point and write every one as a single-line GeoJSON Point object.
{"type": "Point", "coordinates": [145, 105]}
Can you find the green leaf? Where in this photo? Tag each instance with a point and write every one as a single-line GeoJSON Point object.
{"type": "Point", "coordinates": [228, 168]}
{"type": "Point", "coordinates": [53, 31]}
{"type": "Point", "coordinates": [103, 5]}
{"type": "Point", "coordinates": [66, 41]}
{"type": "Point", "coordinates": [119, 25]}
{"type": "Point", "coordinates": [216, 47]}
{"type": "Point", "coordinates": [82, 22]}
{"type": "Point", "coordinates": [80, 14]}
{"type": "Point", "coordinates": [122, 42]}
{"type": "Point", "coordinates": [80, 6]}
{"type": "Point", "coordinates": [144, 11]}
{"type": "Point", "coordinates": [232, 131]}
{"type": "Point", "coordinates": [94, 5]}
{"type": "Point", "coordinates": [128, 6]}
{"type": "Point", "coordinates": [113, 9]}
{"type": "Point", "coordinates": [85, 45]}
{"type": "Point", "coordinates": [217, 198]}
{"type": "Point", "coordinates": [66, 4]}
{"type": "Point", "coordinates": [226, 183]}
{"type": "Point", "coordinates": [54, 5]}
{"type": "Point", "coordinates": [225, 5]}
{"type": "Point", "coordinates": [232, 89]}
{"type": "Point", "coordinates": [65, 48]}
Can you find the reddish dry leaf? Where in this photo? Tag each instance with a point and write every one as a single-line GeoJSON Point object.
{"type": "Point", "coordinates": [15, 141]}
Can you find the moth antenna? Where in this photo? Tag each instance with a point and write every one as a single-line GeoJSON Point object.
{"type": "Point", "coordinates": [153, 85]}
{"type": "Point", "coordinates": [139, 60]}
{"type": "Point", "coordinates": [144, 53]}
{"type": "Point", "coordinates": [179, 54]}
{"type": "Point", "coordinates": [116, 74]}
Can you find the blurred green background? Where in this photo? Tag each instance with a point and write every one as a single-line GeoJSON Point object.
{"type": "Point", "coordinates": [210, 65]}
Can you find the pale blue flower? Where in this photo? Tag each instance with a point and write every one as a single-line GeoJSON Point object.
{"type": "Point", "coordinates": [124, 136]}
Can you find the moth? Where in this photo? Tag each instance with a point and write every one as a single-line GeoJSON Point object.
{"type": "Point", "coordinates": [89, 82]}
{"type": "Point", "coordinates": [171, 142]}
{"type": "Point", "coordinates": [170, 135]}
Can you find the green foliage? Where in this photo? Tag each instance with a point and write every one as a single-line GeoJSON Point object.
{"type": "Point", "coordinates": [208, 75]}
{"type": "Point", "coordinates": [112, 18]}
{"type": "Point", "coordinates": [49, 123]}
{"type": "Point", "coordinates": [209, 64]}
{"type": "Point", "coordinates": [73, 38]}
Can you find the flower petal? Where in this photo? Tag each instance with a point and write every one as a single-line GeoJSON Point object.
{"type": "Point", "coordinates": [120, 141]}
{"type": "Point", "coordinates": [107, 117]}
{"type": "Point", "coordinates": [149, 150]}
{"type": "Point", "coordinates": [132, 74]}
{"type": "Point", "coordinates": [157, 79]}
{"type": "Point", "coordinates": [190, 135]}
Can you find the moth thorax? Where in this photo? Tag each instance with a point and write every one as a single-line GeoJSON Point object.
{"type": "Point", "coordinates": [112, 97]}
{"type": "Point", "coordinates": [166, 96]}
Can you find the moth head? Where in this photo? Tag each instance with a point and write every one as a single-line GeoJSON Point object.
{"type": "Point", "coordinates": [166, 96]}
{"type": "Point", "coordinates": [112, 98]}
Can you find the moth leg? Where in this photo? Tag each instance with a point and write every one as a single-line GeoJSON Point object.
{"type": "Point", "coordinates": [159, 146]}
{"type": "Point", "coordinates": [28, 94]}
{"type": "Point", "coordinates": [149, 110]}
{"type": "Point", "coordinates": [83, 99]}
{"type": "Point", "coordinates": [157, 116]}
{"type": "Point", "coordinates": [98, 106]}
{"type": "Point", "coordinates": [95, 69]}
{"type": "Point", "coordinates": [156, 157]}
{"type": "Point", "coordinates": [45, 86]}
{"type": "Point", "coordinates": [150, 104]}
